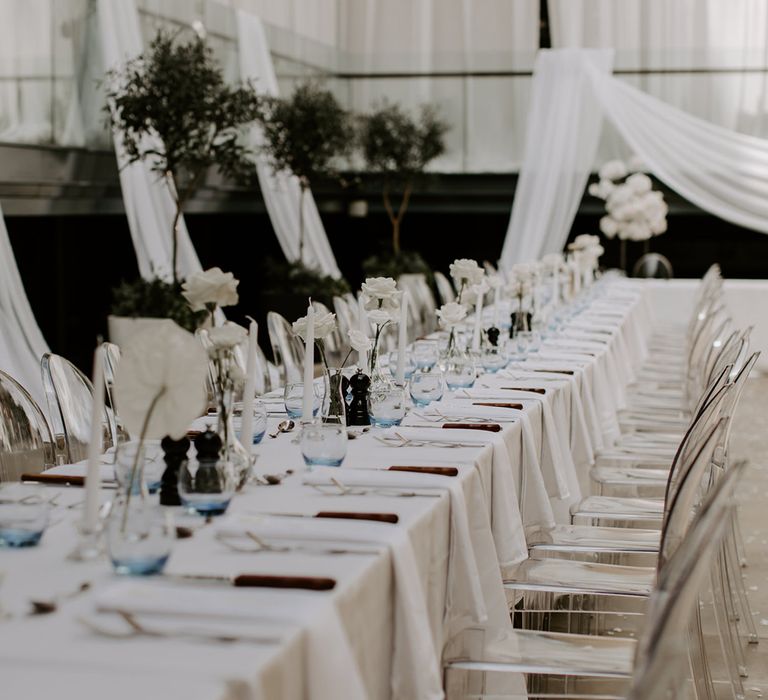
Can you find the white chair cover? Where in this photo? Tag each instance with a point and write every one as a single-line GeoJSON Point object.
{"type": "Point", "coordinates": [280, 190]}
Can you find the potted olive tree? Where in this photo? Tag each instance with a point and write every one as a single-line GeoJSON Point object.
{"type": "Point", "coordinates": [398, 147]}
{"type": "Point", "coordinates": [174, 110]}
{"type": "Point", "coordinates": [306, 134]}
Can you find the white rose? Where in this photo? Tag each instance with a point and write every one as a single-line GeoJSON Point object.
{"type": "Point", "coordinates": [210, 287]}
{"type": "Point", "coordinates": [584, 241]}
{"type": "Point", "coordinates": [379, 287]}
{"type": "Point", "coordinates": [324, 326]}
{"type": "Point", "coordinates": [639, 183]}
{"type": "Point", "coordinates": [620, 195]}
{"type": "Point", "coordinates": [601, 189]}
{"type": "Point", "coordinates": [380, 316]}
{"type": "Point", "coordinates": [465, 271]}
{"type": "Point", "coordinates": [658, 227]}
{"type": "Point", "coordinates": [609, 226]}
{"type": "Point", "coordinates": [228, 335]}
{"type": "Point", "coordinates": [451, 314]}
{"type": "Point", "coordinates": [613, 170]}
{"type": "Point", "coordinates": [359, 340]}
{"type": "Point", "coordinates": [470, 295]}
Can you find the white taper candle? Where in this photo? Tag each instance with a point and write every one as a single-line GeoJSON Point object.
{"type": "Point", "coordinates": [478, 322]}
{"type": "Point", "coordinates": [362, 324]}
{"type": "Point", "coordinates": [249, 392]}
{"type": "Point", "coordinates": [93, 470]}
{"type": "Point", "coordinates": [309, 365]}
{"type": "Point", "coordinates": [402, 339]}
{"type": "Point", "coordinates": [497, 306]}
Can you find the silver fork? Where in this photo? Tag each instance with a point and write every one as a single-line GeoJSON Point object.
{"type": "Point", "coordinates": [384, 491]}
{"type": "Point", "coordinates": [264, 546]}
{"type": "Point", "coordinates": [137, 629]}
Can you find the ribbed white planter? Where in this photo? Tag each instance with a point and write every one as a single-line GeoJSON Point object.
{"type": "Point", "coordinates": [122, 328]}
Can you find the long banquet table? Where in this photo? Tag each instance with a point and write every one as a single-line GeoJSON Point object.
{"type": "Point", "coordinates": [410, 586]}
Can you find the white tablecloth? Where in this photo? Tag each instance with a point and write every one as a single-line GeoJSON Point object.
{"type": "Point", "coordinates": [368, 638]}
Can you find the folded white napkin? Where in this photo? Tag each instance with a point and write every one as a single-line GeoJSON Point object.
{"type": "Point", "coordinates": [416, 670]}
{"type": "Point", "coordinates": [329, 655]}
{"type": "Point", "coordinates": [454, 409]}
{"type": "Point", "coordinates": [106, 469]}
{"type": "Point", "coordinates": [328, 530]}
{"type": "Point", "coordinates": [438, 435]}
{"type": "Point", "coordinates": [466, 593]}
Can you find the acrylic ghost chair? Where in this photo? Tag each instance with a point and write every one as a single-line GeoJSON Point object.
{"type": "Point", "coordinates": [111, 359]}
{"type": "Point", "coordinates": [545, 583]}
{"type": "Point", "coordinates": [287, 348]}
{"type": "Point", "coordinates": [445, 290]}
{"type": "Point", "coordinates": [69, 394]}
{"type": "Point", "coordinates": [26, 444]}
{"type": "Point", "coordinates": [653, 667]}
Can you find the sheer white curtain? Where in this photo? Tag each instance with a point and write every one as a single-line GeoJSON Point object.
{"type": "Point", "coordinates": [685, 38]}
{"type": "Point", "coordinates": [148, 202]}
{"type": "Point", "coordinates": [21, 342]}
{"type": "Point", "coordinates": [561, 138]}
{"type": "Point", "coordinates": [389, 45]}
{"type": "Point", "coordinates": [280, 190]}
{"type": "Point", "coordinates": [38, 64]}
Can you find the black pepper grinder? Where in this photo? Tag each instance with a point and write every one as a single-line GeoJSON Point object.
{"type": "Point", "coordinates": [357, 413]}
{"type": "Point", "coordinates": [175, 454]}
{"type": "Point", "coordinates": [208, 446]}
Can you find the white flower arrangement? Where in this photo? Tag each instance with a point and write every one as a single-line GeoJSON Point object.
{"type": "Point", "coordinates": [381, 294]}
{"type": "Point", "coordinates": [210, 288]}
{"type": "Point", "coordinates": [227, 336]}
{"type": "Point", "coordinates": [522, 279]}
{"type": "Point", "coordinates": [466, 274]}
{"type": "Point", "coordinates": [635, 211]}
{"type": "Point", "coordinates": [359, 341]}
{"type": "Point", "coordinates": [324, 326]}
{"type": "Point", "coordinates": [451, 314]}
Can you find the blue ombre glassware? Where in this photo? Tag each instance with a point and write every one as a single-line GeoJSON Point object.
{"type": "Point", "coordinates": [323, 444]}
{"type": "Point", "coordinates": [22, 524]}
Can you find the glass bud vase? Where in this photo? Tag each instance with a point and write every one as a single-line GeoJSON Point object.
{"type": "Point", "coordinates": [458, 366]}
{"type": "Point", "coordinates": [334, 403]}
{"type": "Point", "coordinates": [139, 535]}
{"type": "Point", "coordinates": [232, 450]}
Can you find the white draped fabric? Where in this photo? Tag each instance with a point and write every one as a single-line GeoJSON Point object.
{"type": "Point", "coordinates": [149, 204]}
{"type": "Point", "coordinates": [21, 342]}
{"type": "Point", "coordinates": [561, 139]}
{"type": "Point", "coordinates": [723, 172]}
{"type": "Point", "coordinates": [281, 191]}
